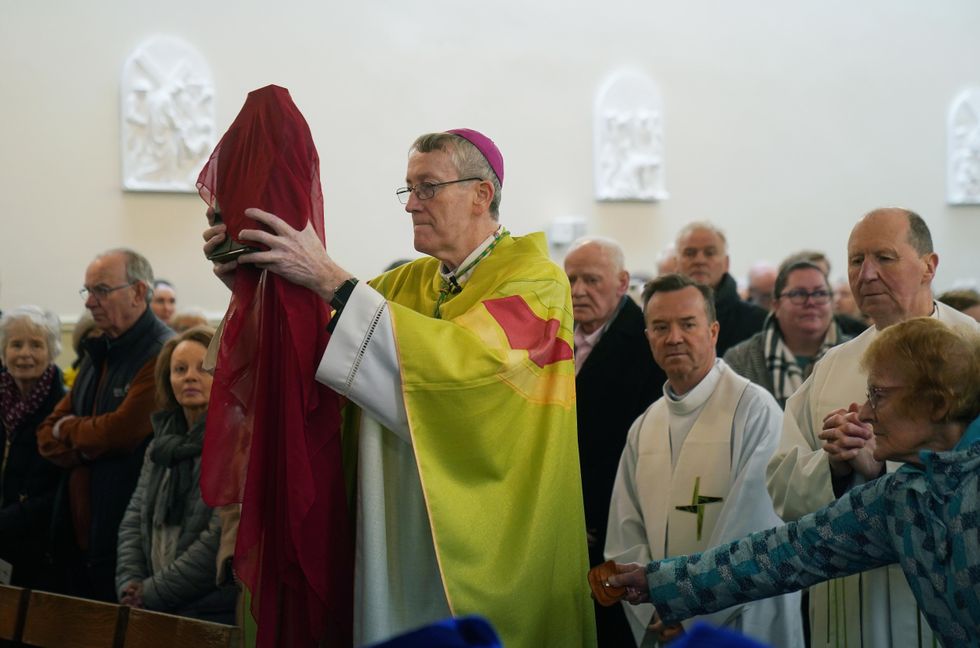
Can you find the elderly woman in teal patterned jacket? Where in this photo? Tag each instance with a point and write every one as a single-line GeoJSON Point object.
{"type": "Point", "coordinates": [923, 391]}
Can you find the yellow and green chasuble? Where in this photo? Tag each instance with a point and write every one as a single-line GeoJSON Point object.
{"type": "Point", "coordinates": [489, 392]}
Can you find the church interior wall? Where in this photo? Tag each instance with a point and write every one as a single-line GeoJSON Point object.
{"type": "Point", "coordinates": [784, 122]}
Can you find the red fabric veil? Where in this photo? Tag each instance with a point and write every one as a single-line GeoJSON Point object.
{"type": "Point", "coordinates": [273, 432]}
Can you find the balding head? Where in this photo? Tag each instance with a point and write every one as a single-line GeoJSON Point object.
{"type": "Point", "coordinates": [598, 279]}
{"type": "Point", "coordinates": [891, 265]}
{"type": "Point", "coordinates": [762, 280]}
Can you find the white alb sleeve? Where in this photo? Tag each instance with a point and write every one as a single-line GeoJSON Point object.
{"type": "Point", "coordinates": [361, 360]}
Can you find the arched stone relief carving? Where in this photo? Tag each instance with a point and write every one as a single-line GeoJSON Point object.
{"type": "Point", "coordinates": [629, 139]}
{"type": "Point", "coordinates": [167, 115]}
{"type": "Point", "coordinates": [963, 149]}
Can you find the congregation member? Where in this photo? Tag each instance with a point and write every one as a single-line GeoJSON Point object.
{"type": "Point", "coordinates": [187, 320]}
{"type": "Point", "coordinates": [824, 449]}
{"type": "Point", "coordinates": [667, 260]}
{"type": "Point", "coordinates": [923, 391]}
{"type": "Point", "coordinates": [461, 364]}
{"type": "Point", "coordinates": [849, 319]}
{"type": "Point", "coordinates": [98, 431]}
{"type": "Point", "coordinates": [965, 300]}
{"type": "Point", "coordinates": [692, 474]}
{"type": "Point", "coordinates": [83, 329]}
{"type": "Point", "coordinates": [168, 538]}
{"type": "Point", "coordinates": [30, 387]}
{"type": "Point", "coordinates": [762, 278]}
{"type": "Point", "coordinates": [702, 255]}
{"type": "Point", "coordinates": [796, 334]}
{"type": "Point", "coordinates": [164, 300]}
{"type": "Point", "coordinates": [616, 379]}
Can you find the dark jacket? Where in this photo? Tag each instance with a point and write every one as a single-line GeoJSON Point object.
{"type": "Point", "coordinates": [27, 490]}
{"type": "Point", "coordinates": [738, 320]}
{"type": "Point", "coordinates": [616, 384]}
{"type": "Point", "coordinates": [101, 386]}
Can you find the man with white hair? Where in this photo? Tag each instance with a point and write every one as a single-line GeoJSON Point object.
{"type": "Point", "coordinates": [99, 429]}
{"type": "Point", "coordinates": [702, 255]}
{"type": "Point", "coordinates": [825, 449]}
{"type": "Point", "coordinates": [616, 379]}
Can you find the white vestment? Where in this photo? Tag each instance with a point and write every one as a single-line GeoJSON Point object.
{"type": "Point", "coordinates": [733, 425]}
{"type": "Point", "coordinates": [397, 585]}
{"type": "Point", "coordinates": [878, 608]}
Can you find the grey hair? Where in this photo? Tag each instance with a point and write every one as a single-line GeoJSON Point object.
{"type": "Point", "coordinates": [700, 225]}
{"type": "Point", "coordinates": [612, 249]}
{"type": "Point", "coordinates": [467, 159]}
{"type": "Point", "coordinates": [45, 321]}
{"type": "Point", "coordinates": [137, 268]}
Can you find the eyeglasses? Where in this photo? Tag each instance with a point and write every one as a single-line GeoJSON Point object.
{"type": "Point", "coordinates": [425, 190]}
{"type": "Point", "coordinates": [799, 296]}
{"type": "Point", "coordinates": [101, 291]}
{"type": "Point", "coordinates": [875, 393]}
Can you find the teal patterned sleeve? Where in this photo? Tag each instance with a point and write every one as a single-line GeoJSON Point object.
{"type": "Point", "coordinates": [848, 536]}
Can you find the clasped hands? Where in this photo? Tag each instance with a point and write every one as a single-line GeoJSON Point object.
{"type": "Point", "coordinates": [849, 443]}
{"type": "Point", "coordinates": [132, 594]}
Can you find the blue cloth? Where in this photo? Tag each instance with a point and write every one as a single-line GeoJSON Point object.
{"type": "Point", "coordinates": [703, 635]}
{"type": "Point", "coordinates": [926, 518]}
{"type": "Point", "coordinates": [460, 632]}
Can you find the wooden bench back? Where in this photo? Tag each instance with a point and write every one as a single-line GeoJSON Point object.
{"type": "Point", "coordinates": [48, 620]}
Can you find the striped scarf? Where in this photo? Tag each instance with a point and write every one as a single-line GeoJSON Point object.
{"type": "Point", "coordinates": [787, 375]}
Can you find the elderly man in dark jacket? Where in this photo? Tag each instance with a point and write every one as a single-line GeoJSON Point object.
{"type": "Point", "coordinates": [702, 255]}
{"type": "Point", "coordinates": [616, 379]}
{"type": "Point", "coordinates": [100, 428]}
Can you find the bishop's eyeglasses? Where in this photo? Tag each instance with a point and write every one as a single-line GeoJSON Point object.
{"type": "Point", "coordinates": [425, 190]}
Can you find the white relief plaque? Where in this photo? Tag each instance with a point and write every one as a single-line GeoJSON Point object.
{"type": "Point", "coordinates": [963, 149]}
{"type": "Point", "coordinates": [167, 115]}
{"type": "Point", "coordinates": [629, 139]}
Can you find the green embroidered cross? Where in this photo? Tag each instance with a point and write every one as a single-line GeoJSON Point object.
{"type": "Point", "coordinates": [697, 504]}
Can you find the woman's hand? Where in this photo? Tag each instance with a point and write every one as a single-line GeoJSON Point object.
{"type": "Point", "coordinates": [632, 576]}
{"type": "Point", "coordinates": [132, 594]}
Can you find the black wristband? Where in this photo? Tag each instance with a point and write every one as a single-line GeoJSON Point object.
{"type": "Point", "coordinates": [340, 298]}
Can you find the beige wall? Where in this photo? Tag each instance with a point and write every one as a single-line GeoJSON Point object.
{"type": "Point", "coordinates": [784, 121]}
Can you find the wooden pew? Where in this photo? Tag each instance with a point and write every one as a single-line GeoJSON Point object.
{"type": "Point", "coordinates": [147, 629]}
{"type": "Point", "coordinates": [45, 620]}
{"type": "Point", "coordinates": [13, 603]}
{"type": "Point", "coordinates": [56, 621]}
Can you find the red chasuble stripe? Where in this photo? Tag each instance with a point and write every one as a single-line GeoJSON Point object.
{"type": "Point", "coordinates": [525, 330]}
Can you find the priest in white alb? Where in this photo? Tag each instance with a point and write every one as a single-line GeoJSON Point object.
{"type": "Point", "coordinates": [825, 449]}
{"type": "Point", "coordinates": [692, 474]}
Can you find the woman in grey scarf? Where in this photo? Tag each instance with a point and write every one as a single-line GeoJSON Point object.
{"type": "Point", "coordinates": [169, 537]}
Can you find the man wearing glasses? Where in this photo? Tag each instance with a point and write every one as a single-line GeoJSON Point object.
{"type": "Point", "coordinates": [461, 367]}
{"type": "Point", "coordinates": [98, 430]}
{"type": "Point", "coordinates": [825, 448]}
